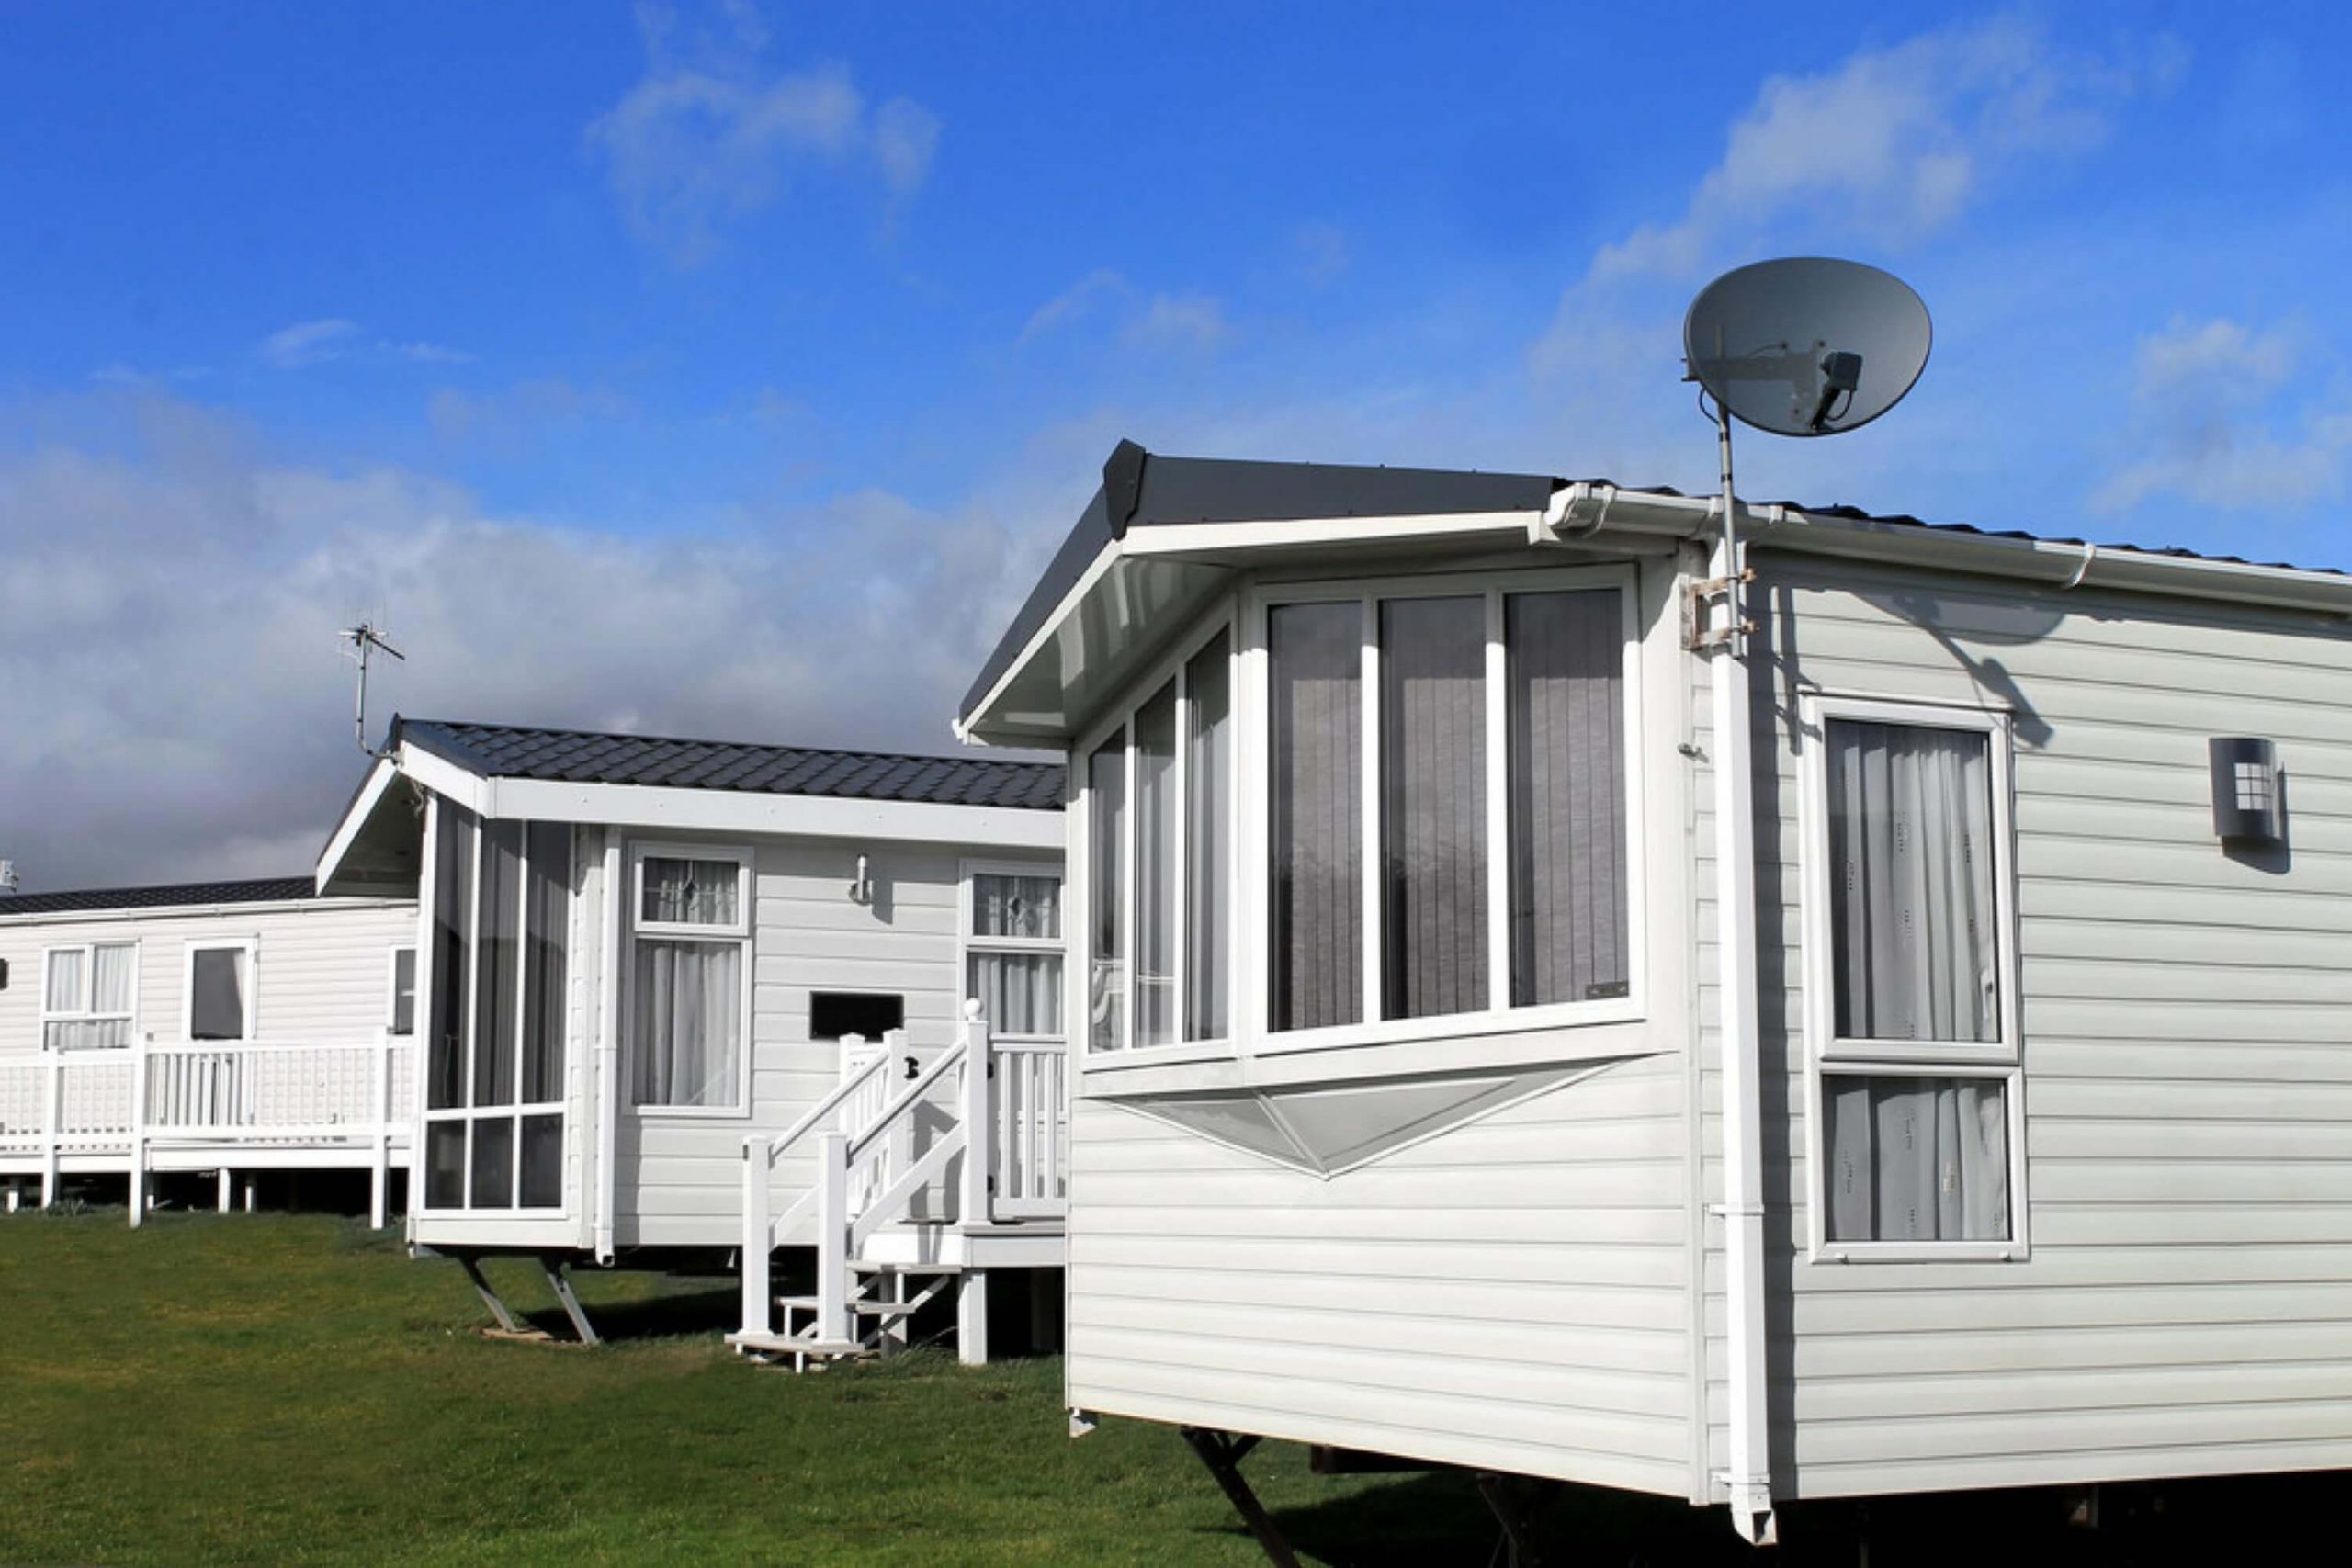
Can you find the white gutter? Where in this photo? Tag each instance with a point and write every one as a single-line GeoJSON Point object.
{"type": "Point", "coordinates": [608, 1049]}
{"type": "Point", "coordinates": [197, 911]}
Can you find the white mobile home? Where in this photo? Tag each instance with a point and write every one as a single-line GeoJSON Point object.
{"type": "Point", "coordinates": [686, 996]}
{"type": "Point", "coordinates": [221, 1027]}
{"type": "Point", "coordinates": [1538, 1024]}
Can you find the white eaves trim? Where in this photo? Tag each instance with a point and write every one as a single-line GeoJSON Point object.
{"type": "Point", "coordinates": [189, 911]}
{"type": "Point", "coordinates": [733, 811]}
{"type": "Point", "coordinates": [379, 779]}
{"type": "Point", "coordinates": [1047, 629]}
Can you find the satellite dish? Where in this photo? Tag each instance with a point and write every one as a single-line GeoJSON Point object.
{"type": "Point", "coordinates": [1806, 346]}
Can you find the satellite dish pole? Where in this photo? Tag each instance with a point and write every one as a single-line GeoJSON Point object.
{"type": "Point", "coordinates": [1805, 346]}
{"type": "Point", "coordinates": [364, 640]}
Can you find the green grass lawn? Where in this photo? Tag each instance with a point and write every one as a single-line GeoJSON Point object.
{"type": "Point", "coordinates": [294, 1389]}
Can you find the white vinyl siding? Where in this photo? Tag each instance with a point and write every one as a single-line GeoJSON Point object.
{"type": "Point", "coordinates": [2186, 1116]}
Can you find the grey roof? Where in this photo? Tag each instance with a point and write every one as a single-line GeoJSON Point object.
{"type": "Point", "coordinates": [1144, 489]}
{"type": "Point", "coordinates": [577, 756]}
{"type": "Point", "coordinates": [179, 895]}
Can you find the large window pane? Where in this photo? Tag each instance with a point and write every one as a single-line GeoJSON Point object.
{"type": "Point", "coordinates": [65, 991]}
{"type": "Point", "coordinates": [403, 1020]}
{"type": "Point", "coordinates": [1106, 816]}
{"type": "Point", "coordinates": [542, 1163]}
{"type": "Point", "coordinates": [1155, 952]}
{"type": "Point", "coordinates": [547, 890]}
{"type": "Point", "coordinates": [1029, 907]}
{"type": "Point", "coordinates": [453, 927]}
{"type": "Point", "coordinates": [1917, 1158]}
{"type": "Point", "coordinates": [1433, 807]}
{"type": "Point", "coordinates": [1566, 723]}
{"type": "Point", "coordinates": [111, 966]}
{"type": "Point", "coordinates": [496, 1004]}
{"type": "Point", "coordinates": [1316, 902]}
{"type": "Point", "coordinates": [493, 1163]}
{"type": "Point", "coordinates": [1019, 993]}
{"type": "Point", "coordinates": [689, 1018]}
{"type": "Point", "coordinates": [1913, 932]}
{"type": "Point", "coordinates": [217, 996]}
{"type": "Point", "coordinates": [1208, 838]}
{"type": "Point", "coordinates": [445, 1165]}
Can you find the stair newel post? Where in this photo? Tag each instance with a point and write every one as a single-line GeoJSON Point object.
{"type": "Point", "coordinates": [53, 1123]}
{"type": "Point", "coordinates": [757, 1241]}
{"type": "Point", "coordinates": [833, 1238]}
{"type": "Point", "coordinates": [973, 1207]}
{"type": "Point", "coordinates": [137, 1129]}
{"type": "Point", "coordinates": [379, 1118]}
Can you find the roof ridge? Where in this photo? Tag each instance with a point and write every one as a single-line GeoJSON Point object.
{"type": "Point", "coordinates": [959, 758]}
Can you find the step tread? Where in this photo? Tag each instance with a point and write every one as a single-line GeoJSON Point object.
{"type": "Point", "coordinates": [863, 1308]}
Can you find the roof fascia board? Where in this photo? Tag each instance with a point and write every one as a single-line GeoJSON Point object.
{"type": "Point", "coordinates": [2052, 563]}
{"type": "Point", "coordinates": [967, 724]}
{"type": "Point", "coordinates": [451, 782]}
{"type": "Point", "coordinates": [801, 816]}
{"type": "Point", "coordinates": [355, 818]}
{"type": "Point", "coordinates": [192, 912]}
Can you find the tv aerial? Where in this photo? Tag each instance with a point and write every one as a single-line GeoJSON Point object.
{"type": "Point", "coordinates": [364, 640]}
{"type": "Point", "coordinates": [1802, 346]}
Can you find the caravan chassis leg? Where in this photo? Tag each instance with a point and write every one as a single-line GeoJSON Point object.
{"type": "Point", "coordinates": [558, 1282]}
{"type": "Point", "coordinates": [1223, 1453]}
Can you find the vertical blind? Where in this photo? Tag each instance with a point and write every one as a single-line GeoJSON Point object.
{"type": "Point", "coordinates": [1106, 795]}
{"type": "Point", "coordinates": [1155, 869]}
{"type": "Point", "coordinates": [1433, 806]}
{"type": "Point", "coordinates": [1315, 912]}
{"type": "Point", "coordinates": [1565, 723]}
{"type": "Point", "coordinates": [1208, 838]}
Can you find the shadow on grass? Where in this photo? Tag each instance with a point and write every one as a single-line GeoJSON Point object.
{"type": "Point", "coordinates": [669, 1313]}
{"type": "Point", "coordinates": [1438, 1519]}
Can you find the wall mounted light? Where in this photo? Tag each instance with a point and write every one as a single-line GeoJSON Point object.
{"type": "Point", "coordinates": [2249, 799]}
{"type": "Point", "coordinates": [861, 888]}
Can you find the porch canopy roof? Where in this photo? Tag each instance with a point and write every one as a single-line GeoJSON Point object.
{"type": "Point", "coordinates": [585, 777]}
{"type": "Point", "coordinates": [1163, 536]}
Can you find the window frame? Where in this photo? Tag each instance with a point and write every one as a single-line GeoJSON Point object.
{"type": "Point", "coordinates": [1254, 819]}
{"type": "Point", "coordinates": [968, 942]}
{"type": "Point", "coordinates": [469, 1115]}
{"type": "Point", "coordinates": [248, 945]}
{"type": "Point", "coordinates": [89, 984]}
{"type": "Point", "coordinates": [739, 932]}
{"type": "Point", "coordinates": [393, 991]}
{"type": "Point", "coordinates": [1077, 880]}
{"type": "Point", "coordinates": [1829, 1057]}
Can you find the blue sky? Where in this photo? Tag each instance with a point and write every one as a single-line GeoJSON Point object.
{"type": "Point", "coordinates": [727, 368]}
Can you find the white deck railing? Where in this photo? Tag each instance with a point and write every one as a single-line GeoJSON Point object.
{"type": "Point", "coordinates": [880, 1146]}
{"type": "Point", "coordinates": [283, 1097]}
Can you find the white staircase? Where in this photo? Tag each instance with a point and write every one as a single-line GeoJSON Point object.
{"type": "Point", "coordinates": [920, 1182]}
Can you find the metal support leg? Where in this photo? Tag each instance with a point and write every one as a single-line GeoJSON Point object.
{"type": "Point", "coordinates": [1223, 1453]}
{"type": "Point", "coordinates": [251, 1182]}
{"type": "Point", "coordinates": [561, 1283]}
{"type": "Point", "coordinates": [1514, 1510]}
{"type": "Point", "coordinates": [222, 1183]}
{"type": "Point", "coordinates": [506, 1324]}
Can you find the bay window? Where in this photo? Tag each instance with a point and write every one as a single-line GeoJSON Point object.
{"type": "Point", "coordinates": [690, 978]}
{"type": "Point", "coordinates": [88, 996]}
{"type": "Point", "coordinates": [496, 1017]}
{"type": "Point", "coordinates": [1432, 822]}
{"type": "Point", "coordinates": [1911, 973]}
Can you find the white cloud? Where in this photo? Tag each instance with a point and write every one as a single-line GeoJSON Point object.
{"type": "Point", "coordinates": [2215, 421]}
{"type": "Point", "coordinates": [1895, 143]}
{"type": "Point", "coordinates": [172, 691]}
{"type": "Point", "coordinates": [703, 141]}
{"type": "Point", "coordinates": [308, 342]}
{"type": "Point", "coordinates": [1074, 303]}
{"type": "Point", "coordinates": [1161, 321]}
{"type": "Point", "coordinates": [1180, 320]}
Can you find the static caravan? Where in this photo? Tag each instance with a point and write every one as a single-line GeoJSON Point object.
{"type": "Point", "coordinates": [1561, 1006]}
{"type": "Point", "coordinates": [688, 996]}
{"type": "Point", "coordinates": [221, 1027]}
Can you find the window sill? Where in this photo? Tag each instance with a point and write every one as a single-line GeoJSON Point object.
{"type": "Point", "coordinates": [1450, 1026]}
{"type": "Point", "coordinates": [690, 1112]}
{"type": "Point", "coordinates": [1921, 1252]}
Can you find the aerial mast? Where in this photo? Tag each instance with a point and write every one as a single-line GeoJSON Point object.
{"type": "Point", "coordinates": [365, 638]}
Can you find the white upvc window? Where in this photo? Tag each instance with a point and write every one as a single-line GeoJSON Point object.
{"type": "Point", "coordinates": [1912, 1010]}
{"type": "Point", "coordinates": [690, 979]}
{"type": "Point", "coordinates": [1012, 947]}
{"type": "Point", "coordinates": [218, 997]}
{"type": "Point", "coordinates": [400, 1008]}
{"type": "Point", "coordinates": [89, 996]}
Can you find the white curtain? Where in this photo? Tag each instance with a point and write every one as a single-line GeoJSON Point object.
{"type": "Point", "coordinates": [689, 1015]}
{"type": "Point", "coordinates": [108, 968]}
{"type": "Point", "coordinates": [1317, 902]}
{"type": "Point", "coordinates": [1433, 806]}
{"type": "Point", "coordinates": [1019, 993]}
{"type": "Point", "coordinates": [64, 990]}
{"type": "Point", "coordinates": [1911, 883]}
{"type": "Point", "coordinates": [1026, 907]}
{"type": "Point", "coordinates": [691, 892]}
{"type": "Point", "coordinates": [1917, 1158]}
